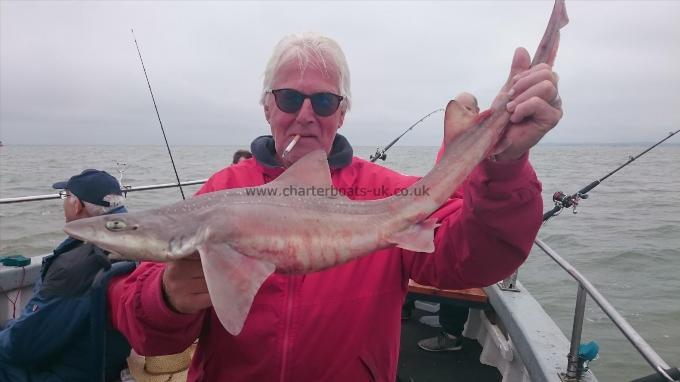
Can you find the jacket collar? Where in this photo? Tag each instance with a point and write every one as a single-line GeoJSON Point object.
{"type": "Point", "coordinates": [264, 151]}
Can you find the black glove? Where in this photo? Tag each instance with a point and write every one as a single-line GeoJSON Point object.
{"type": "Point", "coordinates": [71, 273]}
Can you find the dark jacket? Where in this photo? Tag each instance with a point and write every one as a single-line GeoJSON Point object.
{"type": "Point", "coordinates": [54, 338]}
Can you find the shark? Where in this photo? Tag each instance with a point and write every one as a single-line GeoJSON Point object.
{"type": "Point", "coordinates": [302, 234]}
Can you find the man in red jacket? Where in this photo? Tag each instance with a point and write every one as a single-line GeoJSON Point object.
{"type": "Point", "coordinates": [343, 323]}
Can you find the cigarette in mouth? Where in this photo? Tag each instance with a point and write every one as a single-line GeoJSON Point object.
{"type": "Point", "coordinates": [291, 145]}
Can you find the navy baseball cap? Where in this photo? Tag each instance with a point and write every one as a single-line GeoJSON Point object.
{"type": "Point", "coordinates": [91, 186]}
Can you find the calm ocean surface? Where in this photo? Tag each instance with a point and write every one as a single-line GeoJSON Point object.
{"type": "Point", "coordinates": [625, 238]}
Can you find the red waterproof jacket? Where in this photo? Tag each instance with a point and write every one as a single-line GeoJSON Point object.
{"type": "Point", "coordinates": [341, 324]}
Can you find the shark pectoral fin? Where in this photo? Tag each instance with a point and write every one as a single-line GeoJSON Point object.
{"type": "Point", "coordinates": [233, 279]}
{"type": "Point", "coordinates": [417, 238]}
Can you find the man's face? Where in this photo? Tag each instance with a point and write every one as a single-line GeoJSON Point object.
{"type": "Point", "coordinates": [72, 207]}
{"type": "Point", "coordinates": [315, 132]}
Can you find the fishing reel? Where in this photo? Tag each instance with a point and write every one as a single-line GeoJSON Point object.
{"type": "Point", "coordinates": [566, 201]}
{"type": "Point", "coordinates": [379, 154]}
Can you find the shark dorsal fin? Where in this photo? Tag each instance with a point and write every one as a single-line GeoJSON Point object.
{"type": "Point", "coordinates": [309, 171]}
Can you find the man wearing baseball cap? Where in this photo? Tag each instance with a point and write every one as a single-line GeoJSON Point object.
{"type": "Point", "coordinates": [51, 340]}
{"type": "Point", "coordinates": [90, 193]}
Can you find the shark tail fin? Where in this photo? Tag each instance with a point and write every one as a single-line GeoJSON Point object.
{"type": "Point", "coordinates": [457, 120]}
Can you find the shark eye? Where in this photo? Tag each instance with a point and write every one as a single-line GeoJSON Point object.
{"type": "Point", "coordinates": [116, 225]}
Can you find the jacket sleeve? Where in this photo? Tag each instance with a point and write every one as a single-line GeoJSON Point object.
{"type": "Point", "coordinates": [138, 310]}
{"type": "Point", "coordinates": [44, 328]}
{"type": "Point", "coordinates": [487, 234]}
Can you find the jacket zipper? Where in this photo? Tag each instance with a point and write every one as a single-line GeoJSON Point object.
{"type": "Point", "coordinates": [286, 332]}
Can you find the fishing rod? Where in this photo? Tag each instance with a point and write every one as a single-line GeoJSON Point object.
{"type": "Point", "coordinates": [381, 154]}
{"type": "Point", "coordinates": [158, 115]}
{"type": "Point", "coordinates": [565, 201]}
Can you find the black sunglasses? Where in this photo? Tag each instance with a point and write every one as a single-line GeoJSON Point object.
{"type": "Point", "coordinates": [291, 100]}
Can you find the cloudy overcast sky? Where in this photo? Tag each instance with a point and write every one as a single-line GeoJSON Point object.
{"type": "Point", "coordinates": [70, 74]}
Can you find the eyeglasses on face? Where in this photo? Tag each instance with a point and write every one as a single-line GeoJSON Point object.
{"type": "Point", "coordinates": [65, 194]}
{"type": "Point", "coordinates": [324, 104]}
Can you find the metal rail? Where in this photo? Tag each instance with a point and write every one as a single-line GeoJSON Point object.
{"type": "Point", "coordinates": [125, 189]}
{"type": "Point", "coordinates": [654, 360]}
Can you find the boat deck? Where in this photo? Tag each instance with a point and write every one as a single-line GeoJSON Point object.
{"type": "Point", "coordinates": [418, 365]}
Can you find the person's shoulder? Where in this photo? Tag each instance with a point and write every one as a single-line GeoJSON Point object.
{"type": "Point", "coordinates": [242, 174]}
{"type": "Point", "coordinates": [71, 273]}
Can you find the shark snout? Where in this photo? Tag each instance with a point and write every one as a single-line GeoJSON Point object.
{"type": "Point", "coordinates": [80, 230]}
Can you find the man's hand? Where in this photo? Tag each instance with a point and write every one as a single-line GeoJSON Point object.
{"type": "Point", "coordinates": [535, 106]}
{"type": "Point", "coordinates": [184, 285]}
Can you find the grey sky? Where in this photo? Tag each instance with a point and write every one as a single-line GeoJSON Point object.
{"type": "Point", "coordinates": [69, 71]}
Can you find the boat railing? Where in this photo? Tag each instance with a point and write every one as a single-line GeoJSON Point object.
{"type": "Point", "coordinates": [585, 288]}
{"type": "Point", "coordinates": [125, 189]}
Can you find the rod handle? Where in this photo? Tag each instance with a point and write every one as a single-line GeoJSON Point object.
{"type": "Point", "coordinates": [551, 213]}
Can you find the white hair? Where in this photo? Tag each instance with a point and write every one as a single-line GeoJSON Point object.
{"type": "Point", "coordinates": [310, 49]}
{"type": "Point", "coordinates": [96, 210]}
